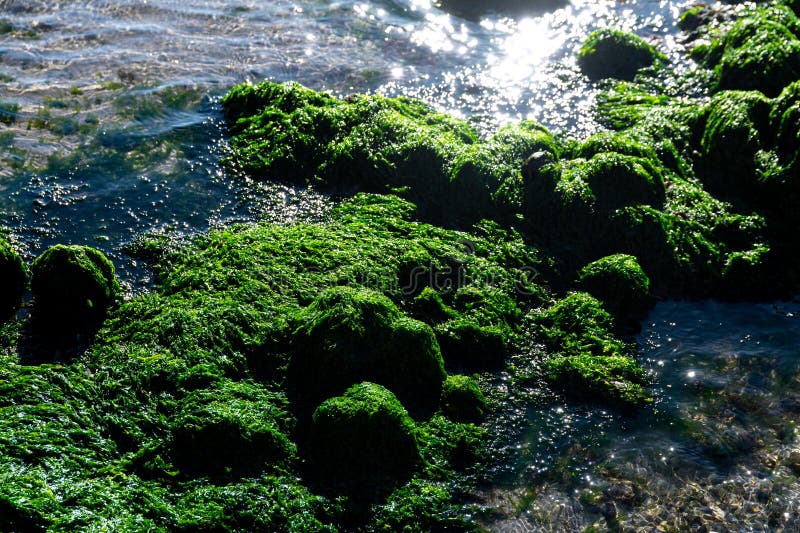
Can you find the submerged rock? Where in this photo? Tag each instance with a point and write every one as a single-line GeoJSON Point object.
{"type": "Point", "coordinates": [363, 441]}
{"type": "Point", "coordinates": [13, 279]}
{"type": "Point", "coordinates": [73, 286]}
{"type": "Point", "coordinates": [612, 53]}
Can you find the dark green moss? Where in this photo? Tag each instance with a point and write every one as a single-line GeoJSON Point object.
{"type": "Point", "coordinates": [468, 345]}
{"type": "Point", "coordinates": [376, 144]}
{"type": "Point", "coordinates": [612, 53]}
{"type": "Point", "coordinates": [621, 284]}
{"type": "Point", "coordinates": [73, 286]}
{"type": "Point", "coordinates": [350, 335]}
{"type": "Point", "coordinates": [14, 276]}
{"type": "Point", "coordinates": [422, 506]}
{"type": "Point", "coordinates": [462, 399]}
{"type": "Point", "coordinates": [616, 380]}
{"type": "Point", "coordinates": [232, 428]}
{"type": "Point", "coordinates": [363, 442]}
{"type": "Point", "coordinates": [578, 325]}
{"type": "Point", "coordinates": [760, 52]}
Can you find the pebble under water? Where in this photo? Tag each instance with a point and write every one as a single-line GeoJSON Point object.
{"type": "Point", "coordinates": [118, 132]}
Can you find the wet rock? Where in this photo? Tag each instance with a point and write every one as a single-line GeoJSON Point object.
{"type": "Point", "coordinates": [621, 284]}
{"type": "Point", "coordinates": [348, 335]}
{"type": "Point", "coordinates": [235, 428]}
{"type": "Point", "coordinates": [13, 279]}
{"type": "Point", "coordinates": [72, 286]}
{"type": "Point", "coordinates": [362, 441]}
{"type": "Point", "coordinates": [462, 399]}
{"type": "Point", "coordinates": [761, 51]}
{"type": "Point", "coordinates": [611, 53]}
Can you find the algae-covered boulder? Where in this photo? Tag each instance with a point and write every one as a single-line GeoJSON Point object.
{"type": "Point", "coordinates": [13, 279]}
{"type": "Point", "coordinates": [371, 143]}
{"type": "Point", "coordinates": [587, 360]}
{"type": "Point", "coordinates": [612, 53]}
{"type": "Point", "coordinates": [462, 399]}
{"type": "Point", "coordinates": [348, 335]}
{"type": "Point", "coordinates": [363, 441]}
{"type": "Point", "coordinates": [577, 325]}
{"type": "Point", "coordinates": [761, 51]}
{"type": "Point", "coordinates": [73, 285]}
{"type": "Point", "coordinates": [615, 380]}
{"type": "Point", "coordinates": [234, 428]}
{"type": "Point", "coordinates": [621, 284]}
{"type": "Point", "coordinates": [732, 140]}
{"type": "Point", "coordinates": [468, 345]}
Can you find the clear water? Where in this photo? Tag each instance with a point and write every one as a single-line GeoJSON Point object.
{"type": "Point", "coordinates": [119, 132]}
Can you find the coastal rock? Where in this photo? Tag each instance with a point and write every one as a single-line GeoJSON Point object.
{"type": "Point", "coordinates": [348, 335]}
{"type": "Point", "coordinates": [462, 399]}
{"type": "Point", "coordinates": [612, 53]}
{"type": "Point", "coordinates": [362, 441]}
{"type": "Point", "coordinates": [73, 286]}
{"type": "Point", "coordinates": [621, 284]}
{"type": "Point", "coordinates": [14, 278]}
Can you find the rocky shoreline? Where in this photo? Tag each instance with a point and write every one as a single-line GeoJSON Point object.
{"type": "Point", "coordinates": [335, 374]}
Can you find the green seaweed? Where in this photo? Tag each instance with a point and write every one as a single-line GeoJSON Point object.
{"type": "Point", "coordinates": [621, 284]}
{"type": "Point", "coordinates": [612, 53]}
{"type": "Point", "coordinates": [462, 399]}
{"type": "Point", "coordinates": [14, 276]}
{"type": "Point", "coordinates": [363, 442]}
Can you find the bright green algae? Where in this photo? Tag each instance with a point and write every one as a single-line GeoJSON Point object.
{"type": "Point", "coordinates": [194, 407]}
{"type": "Point", "coordinates": [178, 416]}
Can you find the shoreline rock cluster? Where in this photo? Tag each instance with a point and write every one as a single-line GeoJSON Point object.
{"type": "Point", "coordinates": [327, 375]}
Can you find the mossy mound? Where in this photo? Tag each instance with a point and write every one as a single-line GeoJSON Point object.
{"type": "Point", "coordinates": [612, 53]}
{"type": "Point", "coordinates": [376, 144]}
{"type": "Point", "coordinates": [348, 335]}
{"type": "Point", "coordinates": [760, 51]}
{"type": "Point", "coordinates": [202, 359]}
{"type": "Point", "coordinates": [462, 399]}
{"type": "Point", "coordinates": [14, 276]}
{"type": "Point", "coordinates": [588, 361]}
{"type": "Point", "coordinates": [73, 286]}
{"type": "Point", "coordinates": [621, 284]}
{"type": "Point", "coordinates": [616, 380]}
{"type": "Point", "coordinates": [363, 441]}
{"type": "Point", "coordinates": [233, 428]}
{"type": "Point", "coordinates": [691, 242]}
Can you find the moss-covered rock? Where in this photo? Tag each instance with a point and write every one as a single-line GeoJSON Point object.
{"type": "Point", "coordinates": [615, 380]}
{"type": "Point", "coordinates": [234, 428]}
{"type": "Point", "coordinates": [612, 53]}
{"type": "Point", "coordinates": [462, 399]}
{"type": "Point", "coordinates": [348, 335]}
{"type": "Point", "coordinates": [621, 284]}
{"type": "Point", "coordinates": [732, 139]}
{"type": "Point", "coordinates": [363, 441]}
{"type": "Point", "coordinates": [577, 325]}
{"type": "Point", "coordinates": [376, 144]}
{"type": "Point", "coordinates": [73, 286]}
{"type": "Point", "coordinates": [468, 345]}
{"type": "Point", "coordinates": [14, 276]}
{"type": "Point", "coordinates": [760, 51]}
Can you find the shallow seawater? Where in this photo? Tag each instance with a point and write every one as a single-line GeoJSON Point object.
{"type": "Point", "coordinates": [118, 132]}
{"type": "Point", "coordinates": [718, 448]}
